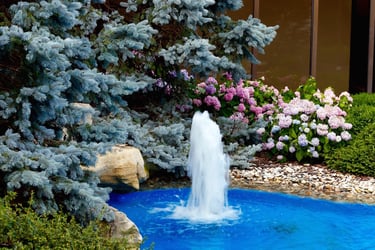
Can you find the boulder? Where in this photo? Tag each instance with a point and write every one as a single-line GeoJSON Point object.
{"type": "Point", "coordinates": [121, 168]}
{"type": "Point", "coordinates": [123, 227]}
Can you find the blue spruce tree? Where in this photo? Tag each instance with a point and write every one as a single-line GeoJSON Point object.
{"type": "Point", "coordinates": [62, 61]}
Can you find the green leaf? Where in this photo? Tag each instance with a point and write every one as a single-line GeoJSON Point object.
{"type": "Point", "coordinates": [292, 133]}
{"type": "Point", "coordinates": [299, 155]}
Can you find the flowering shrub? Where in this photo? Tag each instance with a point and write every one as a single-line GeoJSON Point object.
{"type": "Point", "coordinates": [246, 101]}
{"type": "Point", "coordinates": [307, 123]}
{"type": "Point", "coordinates": [301, 125]}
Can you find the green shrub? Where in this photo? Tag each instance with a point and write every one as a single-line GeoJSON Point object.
{"type": "Point", "coordinates": [360, 116]}
{"type": "Point", "coordinates": [364, 99]}
{"type": "Point", "coordinates": [22, 228]}
{"type": "Point", "coordinates": [358, 157]}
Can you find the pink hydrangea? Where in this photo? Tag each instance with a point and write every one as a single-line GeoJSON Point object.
{"type": "Point", "coordinates": [281, 102]}
{"type": "Point", "coordinates": [336, 122]}
{"type": "Point", "coordinates": [322, 129]}
{"type": "Point", "coordinates": [210, 89]}
{"type": "Point", "coordinates": [318, 94]}
{"type": "Point", "coordinates": [256, 110]}
{"type": "Point", "coordinates": [239, 116]}
{"type": "Point", "coordinates": [268, 106]}
{"type": "Point", "coordinates": [222, 88]}
{"type": "Point", "coordinates": [308, 107]}
{"type": "Point", "coordinates": [297, 105]}
{"type": "Point", "coordinates": [254, 83]}
{"type": "Point", "coordinates": [315, 154]}
{"type": "Point", "coordinates": [228, 97]}
{"type": "Point", "coordinates": [228, 76]}
{"type": "Point", "coordinates": [321, 113]}
{"type": "Point", "coordinates": [291, 110]}
{"type": "Point", "coordinates": [231, 90]}
{"type": "Point", "coordinates": [284, 120]}
{"type": "Point", "coordinates": [280, 145]}
{"type": "Point", "coordinates": [329, 111]}
{"type": "Point", "coordinates": [276, 92]}
{"type": "Point", "coordinates": [212, 101]}
{"type": "Point", "coordinates": [241, 107]}
{"type": "Point", "coordinates": [242, 92]}
{"type": "Point", "coordinates": [304, 117]}
{"type": "Point", "coordinates": [347, 126]}
{"type": "Point", "coordinates": [202, 85]}
{"type": "Point", "coordinates": [197, 102]}
{"type": "Point", "coordinates": [285, 89]}
{"type": "Point", "coordinates": [280, 157]}
{"type": "Point", "coordinates": [329, 96]}
{"type": "Point", "coordinates": [270, 144]}
{"type": "Point", "coordinates": [211, 80]}
{"type": "Point", "coordinates": [250, 90]}
{"type": "Point", "coordinates": [347, 95]}
{"type": "Point", "coordinates": [315, 141]}
{"type": "Point", "coordinates": [334, 111]}
{"type": "Point", "coordinates": [251, 101]}
{"type": "Point", "coordinates": [331, 136]}
{"type": "Point", "coordinates": [345, 135]}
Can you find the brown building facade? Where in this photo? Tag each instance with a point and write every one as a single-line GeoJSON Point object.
{"type": "Point", "coordinates": [332, 40]}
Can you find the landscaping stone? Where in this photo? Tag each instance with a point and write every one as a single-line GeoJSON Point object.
{"type": "Point", "coordinates": [122, 226]}
{"type": "Point", "coordinates": [122, 168]}
{"type": "Point", "coordinates": [312, 180]}
{"type": "Point", "coordinates": [315, 180]}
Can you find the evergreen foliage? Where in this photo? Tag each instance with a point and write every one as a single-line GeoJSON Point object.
{"type": "Point", "coordinates": [362, 113]}
{"type": "Point", "coordinates": [360, 117]}
{"type": "Point", "coordinates": [358, 157]}
{"type": "Point", "coordinates": [58, 54]}
{"type": "Point", "coordinates": [364, 99]}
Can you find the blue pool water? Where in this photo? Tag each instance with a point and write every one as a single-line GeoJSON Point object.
{"type": "Point", "coordinates": [266, 221]}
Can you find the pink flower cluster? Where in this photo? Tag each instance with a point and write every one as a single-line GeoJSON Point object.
{"type": "Point", "coordinates": [297, 105]}
{"type": "Point", "coordinates": [302, 124]}
{"type": "Point", "coordinates": [235, 100]}
{"type": "Point", "coordinates": [212, 101]}
{"type": "Point", "coordinates": [310, 125]}
{"type": "Point", "coordinates": [329, 97]}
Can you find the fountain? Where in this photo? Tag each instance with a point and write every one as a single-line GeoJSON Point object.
{"type": "Point", "coordinates": [200, 217]}
{"type": "Point", "coordinates": [208, 168]}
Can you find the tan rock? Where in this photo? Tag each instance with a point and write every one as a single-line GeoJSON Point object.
{"type": "Point", "coordinates": [123, 227]}
{"type": "Point", "coordinates": [121, 168]}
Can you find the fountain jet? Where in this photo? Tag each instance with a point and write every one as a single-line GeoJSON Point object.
{"type": "Point", "coordinates": [208, 168]}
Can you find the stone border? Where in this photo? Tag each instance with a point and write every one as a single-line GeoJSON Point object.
{"type": "Point", "coordinates": [315, 181]}
{"type": "Point", "coordinates": [307, 180]}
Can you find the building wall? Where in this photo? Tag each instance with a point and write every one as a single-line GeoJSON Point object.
{"type": "Point", "coordinates": [287, 61]}
{"type": "Point", "coordinates": [333, 59]}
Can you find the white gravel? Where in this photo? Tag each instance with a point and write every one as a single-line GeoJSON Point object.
{"type": "Point", "coordinates": [306, 180]}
